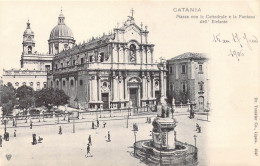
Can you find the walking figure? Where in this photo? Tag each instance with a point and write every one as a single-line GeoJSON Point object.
{"type": "Point", "coordinates": [60, 130]}
{"type": "Point", "coordinates": [34, 139]}
{"type": "Point", "coordinates": [198, 128]}
{"type": "Point", "coordinates": [93, 125]}
{"type": "Point", "coordinates": [89, 140]}
{"type": "Point", "coordinates": [97, 123]}
{"type": "Point", "coordinates": [88, 151]}
{"type": "Point", "coordinates": [104, 124]}
{"type": "Point", "coordinates": [1, 141]}
{"type": "Point", "coordinates": [14, 133]}
{"type": "Point", "coordinates": [108, 137]}
{"type": "Point", "coordinates": [31, 125]}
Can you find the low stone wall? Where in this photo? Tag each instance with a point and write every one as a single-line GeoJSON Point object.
{"type": "Point", "coordinates": [186, 156]}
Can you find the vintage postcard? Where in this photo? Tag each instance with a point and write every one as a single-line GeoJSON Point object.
{"type": "Point", "coordinates": [129, 83]}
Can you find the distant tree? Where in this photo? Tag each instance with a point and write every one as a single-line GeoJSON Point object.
{"type": "Point", "coordinates": [60, 98]}
{"type": "Point", "coordinates": [50, 97]}
{"type": "Point", "coordinates": [8, 99]}
{"type": "Point", "coordinates": [25, 95]}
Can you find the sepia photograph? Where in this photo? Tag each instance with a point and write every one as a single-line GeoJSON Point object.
{"type": "Point", "coordinates": [122, 83]}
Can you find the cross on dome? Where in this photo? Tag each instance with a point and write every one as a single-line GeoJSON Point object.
{"type": "Point", "coordinates": [28, 24]}
{"type": "Point", "coordinates": [132, 12]}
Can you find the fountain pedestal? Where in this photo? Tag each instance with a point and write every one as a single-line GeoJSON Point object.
{"type": "Point", "coordinates": [163, 133]}
{"type": "Point", "coordinates": [164, 149]}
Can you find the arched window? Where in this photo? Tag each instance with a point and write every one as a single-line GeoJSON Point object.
{"type": "Point", "coordinates": [29, 49]}
{"type": "Point", "coordinates": [132, 57]}
{"type": "Point", "coordinates": [71, 82]}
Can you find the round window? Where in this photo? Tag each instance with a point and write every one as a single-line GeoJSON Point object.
{"type": "Point", "coordinates": [104, 84]}
{"type": "Point", "coordinates": [156, 83]}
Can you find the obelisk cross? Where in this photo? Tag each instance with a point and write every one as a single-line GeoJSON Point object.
{"type": "Point", "coordinates": [132, 12]}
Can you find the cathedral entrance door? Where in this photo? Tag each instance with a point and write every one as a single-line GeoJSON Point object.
{"type": "Point", "coordinates": [157, 96]}
{"type": "Point", "coordinates": [201, 103]}
{"type": "Point", "coordinates": [134, 96]}
{"type": "Point", "coordinates": [105, 100]}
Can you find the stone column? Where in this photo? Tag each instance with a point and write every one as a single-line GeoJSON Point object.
{"type": "Point", "coordinates": [76, 90]}
{"type": "Point", "coordinates": [94, 88]}
{"type": "Point", "coordinates": [164, 81]}
{"type": "Point", "coordinates": [192, 70]}
{"type": "Point", "coordinates": [67, 85]}
{"type": "Point", "coordinates": [91, 89]}
{"type": "Point", "coordinates": [161, 81]}
{"type": "Point", "coordinates": [98, 88]}
{"type": "Point", "coordinates": [115, 86]}
{"type": "Point", "coordinates": [125, 85]}
{"type": "Point", "coordinates": [121, 87]}
{"type": "Point", "coordinates": [148, 86]}
{"type": "Point", "coordinates": [144, 96]}
{"type": "Point", "coordinates": [141, 55]}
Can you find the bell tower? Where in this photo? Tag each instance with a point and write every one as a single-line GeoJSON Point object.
{"type": "Point", "coordinates": [28, 40]}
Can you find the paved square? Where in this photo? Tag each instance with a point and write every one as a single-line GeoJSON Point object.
{"type": "Point", "coordinates": [70, 148]}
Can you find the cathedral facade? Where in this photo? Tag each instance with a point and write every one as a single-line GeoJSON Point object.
{"type": "Point", "coordinates": [112, 71]}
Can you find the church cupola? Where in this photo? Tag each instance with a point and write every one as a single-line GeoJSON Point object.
{"type": "Point", "coordinates": [28, 40]}
{"type": "Point", "coordinates": [61, 37]}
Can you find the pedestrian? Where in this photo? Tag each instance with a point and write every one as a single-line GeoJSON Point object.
{"type": "Point", "coordinates": [104, 124]}
{"type": "Point", "coordinates": [89, 140]}
{"type": "Point", "coordinates": [147, 120]}
{"type": "Point", "coordinates": [60, 130]}
{"type": "Point", "coordinates": [14, 133]}
{"type": "Point", "coordinates": [88, 151]}
{"type": "Point", "coordinates": [97, 123]}
{"type": "Point", "coordinates": [1, 141]}
{"type": "Point", "coordinates": [34, 139]}
{"type": "Point", "coordinates": [198, 128]}
{"type": "Point", "coordinates": [93, 125]}
{"type": "Point", "coordinates": [108, 137]}
{"type": "Point", "coordinates": [30, 124]}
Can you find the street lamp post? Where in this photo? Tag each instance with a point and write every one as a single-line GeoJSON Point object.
{"type": "Point", "coordinates": [5, 124]}
{"type": "Point", "coordinates": [173, 109]}
{"type": "Point", "coordinates": [135, 141]}
{"type": "Point", "coordinates": [195, 139]}
{"type": "Point", "coordinates": [127, 117]}
{"type": "Point", "coordinates": [161, 154]}
{"type": "Point", "coordinates": [73, 125]}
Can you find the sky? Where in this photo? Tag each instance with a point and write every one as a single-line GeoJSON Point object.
{"type": "Point", "coordinates": [87, 19]}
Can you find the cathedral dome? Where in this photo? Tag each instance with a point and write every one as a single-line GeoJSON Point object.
{"type": "Point", "coordinates": [61, 30]}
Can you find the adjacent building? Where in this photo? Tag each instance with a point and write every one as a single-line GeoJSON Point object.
{"type": "Point", "coordinates": [34, 66]}
{"type": "Point", "coordinates": [188, 79]}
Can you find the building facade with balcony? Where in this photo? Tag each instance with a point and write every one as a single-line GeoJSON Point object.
{"type": "Point", "coordinates": [34, 66]}
{"type": "Point", "coordinates": [112, 71]}
{"type": "Point", "coordinates": [188, 80]}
